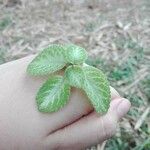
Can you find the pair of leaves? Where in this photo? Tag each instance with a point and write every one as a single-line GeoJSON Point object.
{"type": "Point", "coordinates": [55, 57]}
{"type": "Point", "coordinates": [55, 92]}
{"type": "Point", "coordinates": [93, 82]}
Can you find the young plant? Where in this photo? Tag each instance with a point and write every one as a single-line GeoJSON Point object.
{"type": "Point", "coordinates": [55, 92]}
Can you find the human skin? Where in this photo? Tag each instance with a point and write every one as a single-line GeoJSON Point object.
{"type": "Point", "coordinates": [76, 126]}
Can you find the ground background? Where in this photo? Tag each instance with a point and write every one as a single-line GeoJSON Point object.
{"type": "Point", "coordinates": [115, 32]}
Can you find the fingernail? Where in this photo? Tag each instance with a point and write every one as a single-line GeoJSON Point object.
{"type": "Point", "coordinates": [123, 108]}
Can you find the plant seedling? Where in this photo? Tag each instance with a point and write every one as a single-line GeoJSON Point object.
{"type": "Point", "coordinates": [55, 92]}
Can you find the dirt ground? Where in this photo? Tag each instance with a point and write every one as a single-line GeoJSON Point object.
{"type": "Point", "coordinates": [116, 33]}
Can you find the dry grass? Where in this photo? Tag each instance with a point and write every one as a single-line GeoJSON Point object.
{"type": "Point", "coordinates": [116, 32]}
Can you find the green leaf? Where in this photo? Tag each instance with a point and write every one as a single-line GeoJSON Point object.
{"type": "Point", "coordinates": [97, 88]}
{"type": "Point", "coordinates": [75, 76]}
{"type": "Point", "coordinates": [75, 54]}
{"type": "Point", "coordinates": [53, 95]}
{"type": "Point", "coordinates": [93, 82]}
{"type": "Point", "coordinates": [49, 60]}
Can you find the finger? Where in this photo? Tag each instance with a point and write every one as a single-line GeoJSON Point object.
{"type": "Point", "coordinates": [89, 130]}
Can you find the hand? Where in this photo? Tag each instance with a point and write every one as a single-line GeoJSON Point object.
{"type": "Point", "coordinates": [76, 126]}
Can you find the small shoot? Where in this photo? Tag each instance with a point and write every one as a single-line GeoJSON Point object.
{"type": "Point", "coordinates": [55, 92]}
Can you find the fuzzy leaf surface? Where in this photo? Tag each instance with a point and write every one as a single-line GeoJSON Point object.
{"type": "Point", "coordinates": [75, 76]}
{"type": "Point", "coordinates": [48, 61]}
{"type": "Point", "coordinates": [75, 54]}
{"type": "Point", "coordinates": [97, 88]}
{"type": "Point", "coordinates": [53, 95]}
